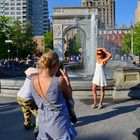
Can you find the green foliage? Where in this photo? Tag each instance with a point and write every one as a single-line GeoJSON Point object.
{"type": "Point", "coordinates": [48, 41]}
{"type": "Point", "coordinates": [74, 45]}
{"type": "Point", "coordinates": [123, 26]}
{"type": "Point", "coordinates": [23, 43]}
{"type": "Point", "coordinates": [136, 41]}
{"type": "Point", "coordinates": [127, 44]}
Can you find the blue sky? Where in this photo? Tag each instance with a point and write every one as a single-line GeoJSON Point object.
{"type": "Point", "coordinates": [125, 9]}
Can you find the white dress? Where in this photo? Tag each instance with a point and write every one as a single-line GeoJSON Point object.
{"type": "Point", "coordinates": [99, 78]}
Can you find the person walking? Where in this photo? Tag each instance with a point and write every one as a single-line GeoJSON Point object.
{"type": "Point", "coordinates": [99, 79]}
{"type": "Point", "coordinates": [50, 94]}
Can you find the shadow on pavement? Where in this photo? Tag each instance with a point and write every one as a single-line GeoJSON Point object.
{"type": "Point", "coordinates": [134, 92]}
{"type": "Point", "coordinates": [11, 123]}
{"type": "Point", "coordinates": [95, 118]}
{"type": "Point", "coordinates": [95, 137]}
{"type": "Point", "coordinates": [4, 107]}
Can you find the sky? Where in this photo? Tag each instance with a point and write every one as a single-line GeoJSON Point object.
{"type": "Point", "coordinates": [124, 10]}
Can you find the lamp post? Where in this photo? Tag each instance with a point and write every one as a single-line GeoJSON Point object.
{"type": "Point", "coordinates": [8, 49]}
{"type": "Point", "coordinates": [132, 42]}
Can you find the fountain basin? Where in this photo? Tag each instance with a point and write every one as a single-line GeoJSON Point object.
{"type": "Point", "coordinates": [127, 82]}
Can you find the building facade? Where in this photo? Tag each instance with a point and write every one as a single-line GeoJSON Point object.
{"type": "Point", "coordinates": [112, 40]}
{"type": "Point", "coordinates": [39, 16]}
{"type": "Point", "coordinates": [36, 11]}
{"type": "Point", "coordinates": [114, 36]}
{"type": "Point", "coordinates": [38, 40]}
{"type": "Point", "coordinates": [14, 8]}
{"type": "Point", "coordinates": [137, 13]}
{"type": "Point", "coordinates": [106, 11]}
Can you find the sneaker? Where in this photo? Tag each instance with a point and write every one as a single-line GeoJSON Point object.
{"type": "Point", "coordinates": [36, 130]}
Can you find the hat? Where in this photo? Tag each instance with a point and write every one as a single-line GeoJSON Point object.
{"type": "Point", "coordinates": [30, 71]}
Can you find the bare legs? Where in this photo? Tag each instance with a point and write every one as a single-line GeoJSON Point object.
{"type": "Point", "coordinates": [94, 88]}
{"type": "Point", "coordinates": [94, 92]}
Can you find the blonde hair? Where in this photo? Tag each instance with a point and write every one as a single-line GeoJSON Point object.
{"type": "Point", "coordinates": [48, 60]}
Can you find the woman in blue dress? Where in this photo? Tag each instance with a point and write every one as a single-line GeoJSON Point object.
{"type": "Point", "coordinates": [50, 94]}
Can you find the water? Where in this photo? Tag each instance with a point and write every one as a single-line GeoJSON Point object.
{"type": "Point", "coordinates": [91, 51]}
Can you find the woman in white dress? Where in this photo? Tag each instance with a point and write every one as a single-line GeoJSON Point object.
{"type": "Point", "coordinates": [99, 79]}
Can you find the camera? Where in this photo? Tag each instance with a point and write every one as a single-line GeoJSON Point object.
{"type": "Point", "coordinates": [60, 67]}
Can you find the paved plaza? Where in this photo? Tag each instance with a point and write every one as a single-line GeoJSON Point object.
{"type": "Point", "coordinates": [116, 121]}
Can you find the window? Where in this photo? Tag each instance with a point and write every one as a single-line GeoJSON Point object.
{"type": "Point", "coordinates": [12, 4]}
{"type": "Point", "coordinates": [6, 4]}
{"type": "Point", "coordinates": [18, 8]}
{"type": "Point", "coordinates": [12, 13]}
{"type": "Point", "coordinates": [18, 17]}
{"type": "Point", "coordinates": [12, 8]}
{"type": "Point", "coordinates": [18, 4]}
{"type": "Point", "coordinates": [6, 8]}
{"type": "Point", "coordinates": [18, 13]}
{"type": "Point", "coordinates": [117, 37]}
{"type": "Point", "coordinates": [6, 13]}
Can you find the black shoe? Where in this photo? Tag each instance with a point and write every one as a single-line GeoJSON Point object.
{"type": "Point", "coordinates": [29, 126]}
{"type": "Point", "coordinates": [137, 133]}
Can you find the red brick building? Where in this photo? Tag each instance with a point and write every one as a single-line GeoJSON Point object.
{"type": "Point", "coordinates": [112, 37]}
{"type": "Point", "coordinates": [38, 40]}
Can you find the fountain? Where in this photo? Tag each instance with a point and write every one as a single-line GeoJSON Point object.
{"type": "Point", "coordinates": [91, 59]}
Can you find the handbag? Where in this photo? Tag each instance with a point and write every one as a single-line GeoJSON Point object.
{"type": "Point", "coordinates": [69, 104]}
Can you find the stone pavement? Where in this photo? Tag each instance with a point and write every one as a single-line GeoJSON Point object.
{"type": "Point", "coordinates": [116, 121]}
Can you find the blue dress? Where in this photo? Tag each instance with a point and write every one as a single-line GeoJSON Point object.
{"type": "Point", "coordinates": [53, 125]}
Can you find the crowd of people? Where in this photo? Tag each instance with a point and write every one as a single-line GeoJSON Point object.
{"type": "Point", "coordinates": [73, 58]}
{"type": "Point", "coordinates": [17, 63]}
{"type": "Point", "coordinates": [10, 63]}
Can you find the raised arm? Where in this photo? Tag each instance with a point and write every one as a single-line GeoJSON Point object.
{"type": "Point", "coordinates": [65, 85]}
{"type": "Point", "coordinates": [108, 55]}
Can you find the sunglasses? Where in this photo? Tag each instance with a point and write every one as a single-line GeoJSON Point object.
{"type": "Point", "coordinates": [99, 53]}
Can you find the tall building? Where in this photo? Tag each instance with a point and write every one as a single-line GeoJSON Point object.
{"type": "Point", "coordinates": [137, 13]}
{"type": "Point", "coordinates": [14, 8]}
{"type": "Point", "coordinates": [39, 16]}
{"type": "Point", "coordinates": [106, 10]}
{"type": "Point", "coordinates": [36, 11]}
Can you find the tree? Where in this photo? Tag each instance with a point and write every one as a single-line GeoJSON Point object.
{"type": "Point", "coordinates": [23, 39]}
{"type": "Point", "coordinates": [74, 45]}
{"type": "Point", "coordinates": [4, 34]}
{"type": "Point", "coordinates": [48, 40]}
{"type": "Point", "coordinates": [126, 44]}
{"type": "Point", "coordinates": [123, 26]}
{"type": "Point", "coordinates": [21, 36]}
{"type": "Point", "coordinates": [137, 40]}
{"type": "Point", "coordinates": [135, 37]}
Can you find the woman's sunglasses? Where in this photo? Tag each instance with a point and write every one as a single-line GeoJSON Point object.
{"type": "Point", "coordinates": [99, 53]}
